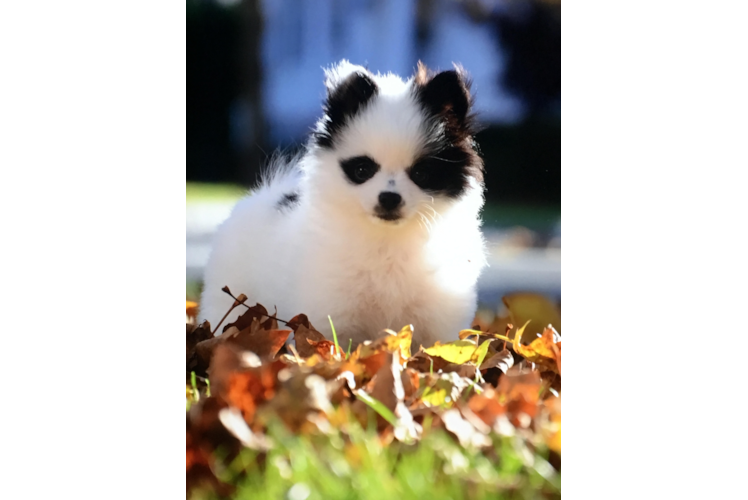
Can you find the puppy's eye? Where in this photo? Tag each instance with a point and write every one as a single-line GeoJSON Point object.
{"type": "Point", "coordinates": [359, 169]}
{"type": "Point", "coordinates": [419, 174]}
{"type": "Point", "coordinates": [362, 172]}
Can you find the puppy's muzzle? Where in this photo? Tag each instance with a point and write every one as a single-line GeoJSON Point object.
{"type": "Point", "coordinates": [389, 205]}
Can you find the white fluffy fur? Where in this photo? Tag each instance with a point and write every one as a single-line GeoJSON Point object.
{"type": "Point", "coordinates": [329, 255]}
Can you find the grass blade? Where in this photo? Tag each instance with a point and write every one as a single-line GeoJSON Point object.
{"type": "Point", "coordinates": [377, 406]}
{"type": "Point", "coordinates": [334, 335]}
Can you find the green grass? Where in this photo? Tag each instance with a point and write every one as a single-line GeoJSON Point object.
{"type": "Point", "coordinates": [351, 463]}
{"type": "Point", "coordinates": [205, 192]}
{"type": "Point", "coordinates": [334, 334]}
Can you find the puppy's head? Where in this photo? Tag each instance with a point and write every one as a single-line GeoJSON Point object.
{"type": "Point", "coordinates": [395, 151]}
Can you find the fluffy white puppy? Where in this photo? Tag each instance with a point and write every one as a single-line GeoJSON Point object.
{"type": "Point", "coordinates": [376, 224]}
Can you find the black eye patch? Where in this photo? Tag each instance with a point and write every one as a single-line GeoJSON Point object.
{"type": "Point", "coordinates": [445, 173]}
{"type": "Point", "coordinates": [359, 169]}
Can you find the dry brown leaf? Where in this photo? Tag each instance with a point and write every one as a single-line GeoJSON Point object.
{"type": "Point", "coordinates": [326, 349]}
{"type": "Point", "coordinates": [227, 359]}
{"type": "Point", "coordinates": [255, 312]}
{"type": "Point", "coordinates": [250, 388]}
{"type": "Point", "coordinates": [299, 319]}
{"type": "Point", "coordinates": [264, 343]}
{"type": "Point", "coordinates": [372, 364]}
{"type": "Point", "coordinates": [387, 384]}
{"type": "Point", "coordinates": [519, 391]}
{"type": "Point", "coordinates": [302, 335]}
{"type": "Point", "coordinates": [196, 335]}
{"type": "Point", "coordinates": [486, 406]}
{"type": "Point", "coordinates": [502, 360]}
{"type": "Point", "coordinates": [426, 363]}
{"type": "Point", "coordinates": [411, 381]}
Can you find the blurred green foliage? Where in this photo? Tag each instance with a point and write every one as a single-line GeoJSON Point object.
{"type": "Point", "coordinates": [356, 465]}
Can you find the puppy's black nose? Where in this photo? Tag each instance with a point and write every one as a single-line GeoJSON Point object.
{"type": "Point", "coordinates": [389, 200]}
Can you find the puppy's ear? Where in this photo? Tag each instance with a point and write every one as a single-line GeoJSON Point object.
{"type": "Point", "coordinates": [349, 89]}
{"type": "Point", "coordinates": [446, 95]}
{"type": "Point", "coordinates": [347, 98]}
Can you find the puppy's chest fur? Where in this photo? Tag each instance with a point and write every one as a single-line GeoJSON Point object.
{"type": "Point", "coordinates": [369, 287]}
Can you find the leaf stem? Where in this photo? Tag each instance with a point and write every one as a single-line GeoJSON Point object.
{"type": "Point", "coordinates": [242, 302]}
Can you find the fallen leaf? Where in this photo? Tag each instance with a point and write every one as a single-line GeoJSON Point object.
{"type": "Point", "coordinates": [299, 319]}
{"type": "Point", "coordinates": [541, 351]}
{"type": "Point", "coordinates": [248, 389]}
{"type": "Point", "coordinates": [519, 392]}
{"type": "Point", "coordinates": [486, 406]}
{"type": "Point", "coordinates": [373, 363]}
{"type": "Point", "coordinates": [411, 381]}
{"type": "Point", "coordinates": [326, 349]}
{"type": "Point", "coordinates": [443, 389]}
{"type": "Point", "coordinates": [496, 365]}
{"type": "Point", "coordinates": [302, 336]}
{"type": "Point", "coordinates": [461, 351]}
{"type": "Point", "coordinates": [536, 309]}
{"type": "Point", "coordinates": [391, 342]}
{"type": "Point", "coordinates": [264, 343]}
{"type": "Point", "coordinates": [255, 312]}
{"type": "Point", "coordinates": [196, 335]}
{"type": "Point", "coordinates": [388, 385]}
{"type": "Point", "coordinates": [426, 363]}
{"type": "Point", "coordinates": [502, 360]}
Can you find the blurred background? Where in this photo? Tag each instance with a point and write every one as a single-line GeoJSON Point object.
{"type": "Point", "coordinates": [255, 84]}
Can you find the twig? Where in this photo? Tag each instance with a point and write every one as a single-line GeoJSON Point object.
{"type": "Point", "coordinates": [242, 302]}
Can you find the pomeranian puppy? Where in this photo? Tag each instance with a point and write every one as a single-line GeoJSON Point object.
{"type": "Point", "coordinates": [375, 224]}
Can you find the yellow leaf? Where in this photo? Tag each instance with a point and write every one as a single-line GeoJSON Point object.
{"type": "Point", "coordinates": [437, 395]}
{"type": "Point", "coordinates": [536, 309]}
{"type": "Point", "coordinates": [542, 351]}
{"type": "Point", "coordinates": [394, 342]}
{"type": "Point", "coordinates": [468, 333]}
{"type": "Point", "coordinates": [460, 351]}
{"type": "Point", "coordinates": [518, 336]}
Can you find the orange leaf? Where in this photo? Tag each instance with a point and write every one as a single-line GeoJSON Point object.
{"type": "Point", "coordinates": [325, 348]}
{"type": "Point", "coordinates": [191, 309]}
{"type": "Point", "coordinates": [393, 342]}
{"type": "Point", "coordinates": [542, 351]}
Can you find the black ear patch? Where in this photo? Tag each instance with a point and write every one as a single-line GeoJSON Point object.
{"type": "Point", "coordinates": [447, 165]}
{"type": "Point", "coordinates": [446, 94]}
{"type": "Point", "coordinates": [343, 103]}
{"type": "Point", "coordinates": [446, 97]}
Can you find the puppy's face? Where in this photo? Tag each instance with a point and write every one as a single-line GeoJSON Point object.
{"type": "Point", "coordinates": [395, 151]}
